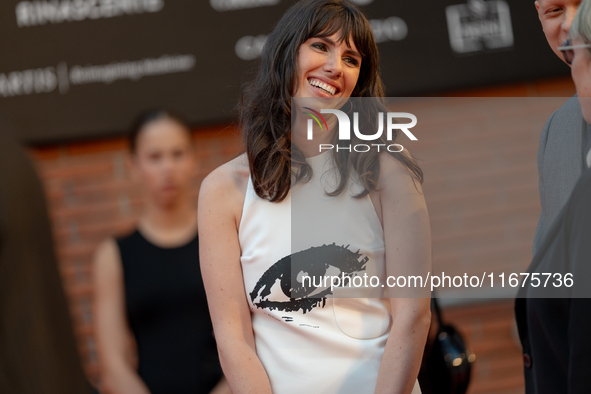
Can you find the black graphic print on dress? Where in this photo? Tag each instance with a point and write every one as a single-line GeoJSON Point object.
{"type": "Point", "coordinates": [315, 262]}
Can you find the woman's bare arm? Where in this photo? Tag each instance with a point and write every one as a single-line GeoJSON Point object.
{"type": "Point", "coordinates": [222, 387]}
{"type": "Point", "coordinates": [219, 209]}
{"type": "Point", "coordinates": [118, 375]}
{"type": "Point", "coordinates": [407, 237]}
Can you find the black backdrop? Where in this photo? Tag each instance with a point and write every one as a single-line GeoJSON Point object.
{"type": "Point", "coordinates": [74, 69]}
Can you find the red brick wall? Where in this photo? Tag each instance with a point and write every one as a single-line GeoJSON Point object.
{"type": "Point", "coordinates": [90, 197]}
{"type": "Point", "coordinates": [481, 183]}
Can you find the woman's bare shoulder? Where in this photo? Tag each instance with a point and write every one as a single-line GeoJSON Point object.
{"type": "Point", "coordinates": [107, 261]}
{"type": "Point", "coordinates": [228, 181]}
{"type": "Point", "coordinates": [389, 165]}
{"type": "Point", "coordinates": [395, 176]}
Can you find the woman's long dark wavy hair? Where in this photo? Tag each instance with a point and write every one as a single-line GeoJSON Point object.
{"type": "Point", "coordinates": [265, 104]}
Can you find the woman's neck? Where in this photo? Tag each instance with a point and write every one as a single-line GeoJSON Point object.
{"type": "Point", "coordinates": [169, 225]}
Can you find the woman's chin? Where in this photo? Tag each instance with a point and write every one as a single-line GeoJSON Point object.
{"type": "Point", "coordinates": [168, 198]}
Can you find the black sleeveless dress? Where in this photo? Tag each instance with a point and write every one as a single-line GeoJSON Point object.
{"type": "Point", "coordinates": [168, 315]}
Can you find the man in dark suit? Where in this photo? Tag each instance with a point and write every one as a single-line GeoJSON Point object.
{"type": "Point", "coordinates": [560, 154]}
{"type": "Point", "coordinates": [560, 165]}
{"type": "Point", "coordinates": [38, 352]}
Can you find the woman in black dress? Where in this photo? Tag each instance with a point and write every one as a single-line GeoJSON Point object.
{"type": "Point", "coordinates": [148, 286]}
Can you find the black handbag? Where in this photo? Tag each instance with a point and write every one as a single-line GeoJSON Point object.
{"type": "Point", "coordinates": [447, 363]}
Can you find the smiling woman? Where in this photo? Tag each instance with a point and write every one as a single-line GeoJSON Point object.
{"type": "Point", "coordinates": [275, 333]}
{"type": "Point", "coordinates": [342, 60]}
{"type": "Point", "coordinates": [322, 49]}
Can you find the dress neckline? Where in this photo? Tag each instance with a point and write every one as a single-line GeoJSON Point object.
{"type": "Point", "coordinates": [166, 247]}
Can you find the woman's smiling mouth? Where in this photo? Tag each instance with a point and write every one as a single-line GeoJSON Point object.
{"type": "Point", "coordinates": [323, 87]}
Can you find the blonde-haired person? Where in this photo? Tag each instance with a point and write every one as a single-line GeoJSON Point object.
{"type": "Point", "coordinates": [558, 328]}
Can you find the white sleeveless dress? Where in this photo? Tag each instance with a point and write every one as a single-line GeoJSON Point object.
{"type": "Point", "coordinates": [314, 345]}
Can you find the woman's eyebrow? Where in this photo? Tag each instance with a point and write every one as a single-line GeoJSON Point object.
{"type": "Point", "coordinates": [331, 42]}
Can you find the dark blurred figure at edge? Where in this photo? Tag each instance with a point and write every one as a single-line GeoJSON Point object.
{"type": "Point", "coordinates": [38, 353]}
{"type": "Point", "coordinates": [148, 285]}
{"type": "Point", "coordinates": [555, 332]}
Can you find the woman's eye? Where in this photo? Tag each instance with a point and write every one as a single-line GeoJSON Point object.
{"type": "Point", "coordinates": [319, 45]}
{"type": "Point", "coordinates": [177, 154]}
{"type": "Point", "coordinates": [155, 156]}
{"type": "Point", "coordinates": [352, 61]}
